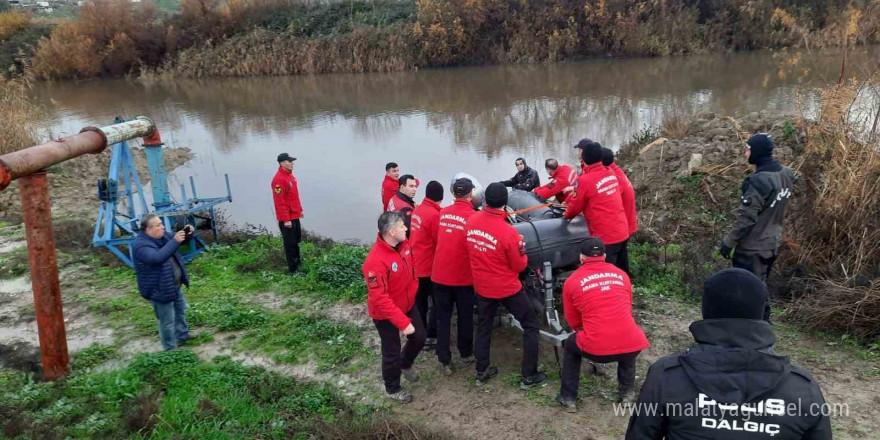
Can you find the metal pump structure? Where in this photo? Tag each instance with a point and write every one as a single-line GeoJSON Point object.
{"type": "Point", "coordinates": [28, 167]}
{"type": "Point", "coordinates": [121, 209]}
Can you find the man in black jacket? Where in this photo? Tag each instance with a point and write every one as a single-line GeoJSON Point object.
{"type": "Point", "coordinates": [525, 179]}
{"type": "Point", "coordinates": [730, 386]}
{"type": "Point", "coordinates": [757, 230]}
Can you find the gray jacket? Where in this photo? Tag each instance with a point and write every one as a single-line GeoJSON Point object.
{"type": "Point", "coordinates": [765, 194]}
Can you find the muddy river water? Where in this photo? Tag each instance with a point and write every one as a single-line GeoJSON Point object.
{"type": "Point", "coordinates": [434, 123]}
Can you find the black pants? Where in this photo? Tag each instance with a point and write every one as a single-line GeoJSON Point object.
{"type": "Point", "coordinates": [462, 297]}
{"type": "Point", "coordinates": [291, 237]}
{"type": "Point", "coordinates": [760, 264]}
{"type": "Point", "coordinates": [618, 255]}
{"type": "Point", "coordinates": [428, 314]}
{"type": "Point", "coordinates": [519, 306]}
{"type": "Point", "coordinates": [571, 368]}
{"type": "Point", "coordinates": [393, 359]}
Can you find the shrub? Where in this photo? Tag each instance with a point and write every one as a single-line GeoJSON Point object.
{"type": "Point", "coordinates": [12, 21]}
{"type": "Point", "coordinates": [341, 266]}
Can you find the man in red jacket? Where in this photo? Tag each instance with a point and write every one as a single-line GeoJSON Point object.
{"type": "Point", "coordinates": [288, 210]}
{"type": "Point", "coordinates": [391, 295]}
{"type": "Point", "coordinates": [597, 299]}
{"type": "Point", "coordinates": [389, 183]}
{"type": "Point", "coordinates": [453, 283]}
{"type": "Point", "coordinates": [423, 237]}
{"type": "Point", "coordinates": [497, 255]}
{"type": "Point", "coordinates": [628, 198]}
{"type": "Point", "coordinates": [561, 176]}
{"type": "Point", "coordinates": [597, 196]}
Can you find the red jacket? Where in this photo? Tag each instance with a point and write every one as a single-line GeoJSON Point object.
{"type": "Point", "coordinates": [423, 236]}
{"type": "Point", "coordinates": [391, 282]}
{"type": "Point", "coordinates": [628, 198]}
{"type": "Point", "coordinates": [389, 187]}
{"type": "Point", "coordinates": [400, 202]}
{"type": "Point", "coordinates": [286, 195]}
{"type": "Point", "coordinates": [597, 300]}
{"type": "Point", "coordinates": [451, 264]}
{"type": "Point", "coordinates": [497, 254]}
{"type": "Point", "coordinates": [597, 195]}
{"type": "Point", "coordinates": [563, 176]}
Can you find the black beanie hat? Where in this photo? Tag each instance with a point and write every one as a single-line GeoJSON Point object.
{"type": "Point", "coordinates": [496, 195]}
{"type": "Point", "coordinates": [592, 153]}
{"type": "Point", "coordinates": [607, 156]}
{"type": "Point", "coordinates": [761, 145]}
{"type": "Point", "coordinates": [583, 143]}
{"type": "Point", "coordinates": [434, 191]}
{"type": "Point", "coordinates": [592, 247]}
{"type": "Point", "coordinates": [734, 293]}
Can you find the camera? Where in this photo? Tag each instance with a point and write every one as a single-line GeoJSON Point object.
{"type": "Point", "coordinates": [188, 232]}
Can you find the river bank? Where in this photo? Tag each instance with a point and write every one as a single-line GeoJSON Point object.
{"type": "Point", "coordinates": [299, 355]}
{"type": "Point", "coordinates": [282, 37]}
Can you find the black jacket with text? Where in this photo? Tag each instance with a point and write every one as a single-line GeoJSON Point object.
{"type": "Point", "coordinates": [729, 387]}
{"type": "Point", "coordinates": [765, 194]}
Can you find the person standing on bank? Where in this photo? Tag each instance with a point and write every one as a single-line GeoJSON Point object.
{"type": "Point", "coordinates": [497, 255]}
{"type": "Point", "coordinates": [733, 383]}
{"type": "Point", "coordinates": [391, 295]}
{"type": "Point", "coordinates": [525, 179]}
{"type": "Point", "coordinates": [160, 274]}
{"type": "Point", "coordinates": [389, 183]}
{"type": "Point", "coordinates": [453, 281]}
{"type": "Point", "coordinates": [288, 210]}
{"type": "Point", "coordinates": [597, 300]}
{"type": "Point", "coordinates": [628, 198]}
{"type": "Point", "coordinates": [596, 195]}
{"type": "Point", "coordinates": [757, 230]}
{"type": "Point", "coordinates": [423, 237]}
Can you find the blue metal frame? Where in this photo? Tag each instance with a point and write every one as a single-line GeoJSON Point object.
{"type": "Point", "coordinates": [117, 226]}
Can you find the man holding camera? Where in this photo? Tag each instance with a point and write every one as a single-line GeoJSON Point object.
{"type": "Point", "coordinates": [160, 274]}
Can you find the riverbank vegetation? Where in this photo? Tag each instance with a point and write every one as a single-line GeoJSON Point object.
{"type": "Point", "coordinates": [827, 278]}
{"type": "Point", "coordinates": [280, 37]}
{"type": "Point", "coordinates": [21, 119]}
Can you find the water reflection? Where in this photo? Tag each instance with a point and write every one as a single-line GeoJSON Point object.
{"type": "Point", "coordinates": [435, 123]}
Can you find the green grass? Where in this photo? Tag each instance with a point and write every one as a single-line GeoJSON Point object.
{"type": "Point", "coordinates": [656, 272]}
{"type": "Point", "coordinates": [93, 356]}
{"type": "Point", "coordinates": [14, 264]}
{"type": "Point", "coordinates": [170, 394]}
{"type": "Point", "coordinates": [292, 338]}
{"type": "Point", "coordinates": [222, 284]}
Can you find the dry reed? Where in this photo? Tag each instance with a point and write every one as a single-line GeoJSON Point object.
{"type": "Point", "coordinates": [674, 126]}
{"type": "Point", "coordinates": [834, 306]}
{"type": "Point", "coordinates": [20, 118]}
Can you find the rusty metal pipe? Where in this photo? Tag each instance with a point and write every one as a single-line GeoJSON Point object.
{"type": "Point", "coordinates": [44, 274]}
{"type": "Point", "coordinates": [28, 166]}
{"type": "Point", "coordinates": [90, 140]}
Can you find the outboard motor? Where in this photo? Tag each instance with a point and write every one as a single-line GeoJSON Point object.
{"type": "Point", "coordinates": [552, 247]}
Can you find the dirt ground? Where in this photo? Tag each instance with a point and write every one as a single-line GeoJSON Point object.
{"type": "Point", "coordinates": [498, 410]}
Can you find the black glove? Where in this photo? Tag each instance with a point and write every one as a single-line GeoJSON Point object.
{"type": "Point", "coordinates": [726, 250]}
